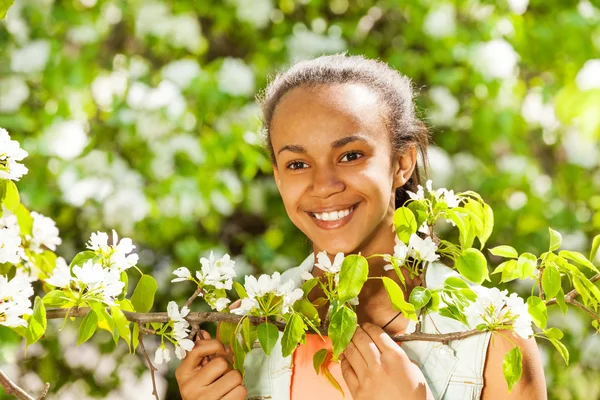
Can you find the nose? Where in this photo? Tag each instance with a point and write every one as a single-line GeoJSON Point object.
{"type": "Point", "coordinates": [326, 182]}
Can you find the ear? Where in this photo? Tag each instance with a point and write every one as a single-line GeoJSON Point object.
{"type": "Point", "coordinates": [404, 165]}
{"type": "Point", "coordinates": [276, 177]}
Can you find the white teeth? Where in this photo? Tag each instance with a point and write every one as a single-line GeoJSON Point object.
{"type": "Point", "coordinates": [332, 216]}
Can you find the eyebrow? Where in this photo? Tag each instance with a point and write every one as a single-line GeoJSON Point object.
{"type": "Point", "coordinates": [294, 148]}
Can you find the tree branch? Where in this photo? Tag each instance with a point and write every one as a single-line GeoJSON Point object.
{"type": "Point", "coordinates": [152, 367]}
{"type": "Point", "coordinates": [12, 388]}
{"type": "Point", "coordinates": [569, 297]}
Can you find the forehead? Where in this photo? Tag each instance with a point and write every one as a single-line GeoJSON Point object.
{"type": "Point", "coordinates": [321, 114]}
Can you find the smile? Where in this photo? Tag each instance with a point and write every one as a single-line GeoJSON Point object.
{"type": "Point", "coordinates": [333, 219]}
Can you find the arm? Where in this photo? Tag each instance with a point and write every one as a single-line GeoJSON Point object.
{"type": "Point", "coordinates": [531, 386]}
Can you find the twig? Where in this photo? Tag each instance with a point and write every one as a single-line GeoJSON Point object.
{"type": "Point", "coordinates": [573, 293]}
{"type": "Point", "coordinates": [152, 367]}
{"type": "Point", "coordinates": [44, 392]}
{"type": "Point", "coordinates": [586, 309]}
{"type": "Point", "coordinates": [188, 303]}
{"type": "Point", "coordinates": [12, 388]}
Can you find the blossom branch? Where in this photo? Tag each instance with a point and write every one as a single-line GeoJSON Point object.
{"type": "Point", "coordinates": [188, 303]}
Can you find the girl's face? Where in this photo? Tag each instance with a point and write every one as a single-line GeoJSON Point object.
{"type": "Point", "coordinates": [334, 169]}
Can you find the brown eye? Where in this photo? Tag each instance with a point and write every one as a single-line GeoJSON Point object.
{"type": "Point", "coordinates": [296, 165]}
{"type": "Point", "coordinates": [351, 156]}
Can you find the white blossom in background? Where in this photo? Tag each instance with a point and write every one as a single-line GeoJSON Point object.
{"type": "Point", "coordinates": [255, 12]}
{"type": "Point", "coordinates": [235, 77]}
{"type": "Point", "coordinates": [441, 165]}
{"type": "Point", "coordinates": [166, 95]}
{"type": "Point", "coordinates": [105, 88]}
{"type": "Point", "coordinates": [518, 6]}
{"type": "Point", "coordinates": [66, 139]}
{"type": "Point", "coordinates": [537, 112]}
{"type": "Point", "coordinates": [14, 300]}
{"type": "Point", "coordinates": [181, 72]}
{"type": "Point", "coordinates": [489, 309]}
{"type": "Point", "coordinates": [13, 93]}
{"type": "Point", "coordinates": [440, 22]}
{"type": "Point", "coordinates": [495, 59]}
{"type": "Point", "coordinates": [83, 34]}
{"type": "Point", "coordinates": [10, 153]}
{"type": "Point", "coordinates": [265, 284]}
{"type": "Point", "coordinates": [45, 233]}
{"type": "Point", "coordinates": [588, 76]}
{"type": "Point", "coordinates": [30, 58]}
{"type": "Point", "coordinates": [15, 24]}
{"type": "Point", "coordinates": [445, 106]}
{"type": "Point", "coordinates": [125, 208]}
{"type": "Point", "coordinates": [580, 149]}
{"type": "Point", "coordinates": [185, 32]}
{"type": "Point", "coordinates": [305, 44]}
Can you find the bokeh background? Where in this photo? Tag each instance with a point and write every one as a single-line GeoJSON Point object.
{"type": "Point", "coordinates": [140, 116]}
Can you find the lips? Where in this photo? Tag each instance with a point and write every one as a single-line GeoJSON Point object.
{"type": "Point", "coordinates": [333, 217]}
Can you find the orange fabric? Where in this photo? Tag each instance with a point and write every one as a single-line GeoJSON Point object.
{"type": "Point", "coordinates": [306, 384]}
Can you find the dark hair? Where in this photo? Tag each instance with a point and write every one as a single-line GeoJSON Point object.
{"type": "Point", "coordinates": [394, 91]}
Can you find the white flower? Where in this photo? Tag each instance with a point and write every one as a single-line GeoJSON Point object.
{"type": "Point", "coordinates": [324, 263]}
{"type": "Point", "coordinates": [174, 314]}
{"type": "Point", "coordinates": [14, 300]}
{"type": "Point", "coordinates": [440, 22]}
{"type": "Point", "coordinates": [61, 276]}
{"type": "Point", "coordinates": [217, 272]}
{"type": "Point", "coordinates": [98, 242]}
{"type": "Point", "coordinates": [424, 228]}
{"type": "Point", "coordinates": [13, 93]}
{"type": "Point", "coordinates": [162, 355]}
{"type": "Point", "coordinates": [31, 57]}
{"type": "Point", "coordinates": [183, 274]}
{"type": "Point", "coordinates": [235, 77]}
{"type": "Point", "coordinates": [353, 301]}
{"type": "Point", "coordinates": [89, 273]}
{"type": "Point", "coordinates": [222, 303]}
{"type": "Point", "coordinates": [246, 306]}
{"type": "Point", "coordinates": [117, 254]}
{"type": "Point", "coordinates": [422, 249]}
{"type": "Point", "coordinates": [400, 252]}
{"type": "Point", "coordinates": [10, 153]}
{"type": "Point", "coordinates": [112, 286]}
{"type": "Point", "coordinates": [489, 309]}
{"type": "Point", "coordinates": [420, 195]}
{"type": "Point", "coordinates": [305, 275]}
{"type": "Point", "coordinates": [581, 149]}
{"type": "Point", "coordinates": [105, 88]}
{"type": "Point", "coordinates": [265, 284]}
{"type": "Point", "coordinates": [495, 59]}
{"type": "Point", "coordinates": [182, 346]}
{"type": "Point", "coordinates": [45, 233]}
{"type": "Point", "coordinates": [588, 76]}
{"type": "Point", "coordinates": [10, 243]}
{"type": "Point", "coordinates": [66, 139]}
{"type": "Point", "coordinates": [518, 6]}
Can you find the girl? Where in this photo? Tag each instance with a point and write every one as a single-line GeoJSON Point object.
{"type": "Point", "coordinates": [343, 138]}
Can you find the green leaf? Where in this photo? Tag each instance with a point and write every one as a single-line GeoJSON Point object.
{"type": "Point", "coordinates": [537, 310]}
{"type": "Point", "coordinates": [309, 285]}
{"type": "Point", "coordinates": [37, 323]}
{"type": "Point", "coordinates": [472, 265]}
{"type": "Point", "coordinates": [240, 290]}
{"type": "Point", "coordinates": [504, 251]}
{"type": "Point", "coordinates": [512, 367]}
{"type": "Point", "coordinates": [11, 197]}
{"type": "Point", "coordinates": [246, 336]}
{"type": "Point", "coordinates": [595, 246]}
{"type": "Point", "coordinates": [461, 220]}
{"type": "Point", "coordinates": [87, 327]}
{"type": "Point", "coordinates": [55, 298]}
{"type": "Point", "coordinates": [578, 258]}
{"type": "Point", "coordinates": [143, 295]}
{"type": "Point", "coordinates": [526, 264]}
{"type": "Point", "coordinates": [238, 356]}
{"type": "Point", "coordinates": [405, 223]}
{"type": "Point", "coordinates": [105, 321]}
{"type": "Point", "coordinates": [318, 359]}
{"type": "Point", "coordinates": [555, 240]}
{"type": "Point", "coordinates": [554, 333]}
{"type": "Point", "coordinates": [125, 279]}
{"type": "Point", "coordinates": [353, 275]}
{"type": "Point", "coordinates": [267, 336]}
{"type": "Point", "coordinates": [4, 6]}
{"type": "Point", "coordinates": [307, 309]}
{"type": "Point", "coordinates": [121, 323]}
{"type": "Point", "coordinates": [551, 280]}
{"type": "Point", "coordinates": [456, 282]}
{"type": "Point", "coordinates": [396, 296]}
{"type": "Point", "coordinates": [25, 220]}
{"type": "Point", "coordinates": [560, 300]}
{"type": "Point", "coordinates": [419, 297]}
{"type": "Point", "coordinates": [419, 210]}
{"type": "Point", "coordinates": [488, 225]}
{"type": "Point", "coordinates": [226, 331]}
{"type": "Point", "coordinates": [342, 326]}
{"type": "Point", "coordinates": [292, 334]}
{"type": "Point", "coordinates": [82, 257]}
{"type": "Point", "coordinates": [564, 352]}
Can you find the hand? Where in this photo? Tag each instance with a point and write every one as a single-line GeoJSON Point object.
{"type": "Point", "coordinates": [376, 367]}
{"type": "Point", "coordinates": [206, 373]}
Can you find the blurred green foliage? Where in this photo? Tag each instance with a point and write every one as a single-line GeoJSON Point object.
{"type": "Point", "coordinates": [140, 116]}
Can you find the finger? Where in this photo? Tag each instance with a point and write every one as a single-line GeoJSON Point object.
{"type": "Point", "coordinates": [238, 393]}
{"type": "Point", "coordinates": [349, 375]}
{"type": "Point", "coordinates": [202, 348]}
{"type": "Point", "coordinates": [384, 342]}
{"type": "Point", "coordinates": [227, 383]}
{"type": "Point", "coordinates": [212, 371]}
{"type": "Point", "coordinates": [368, 349]}
{"type": "Point", "coordinates": [355, 359]}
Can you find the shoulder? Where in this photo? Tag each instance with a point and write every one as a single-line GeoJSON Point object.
{"type": "Point", "coordinates": [531, 386]}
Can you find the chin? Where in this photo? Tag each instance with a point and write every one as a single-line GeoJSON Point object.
{"type": "Point", "coordinates": [337, 245]}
